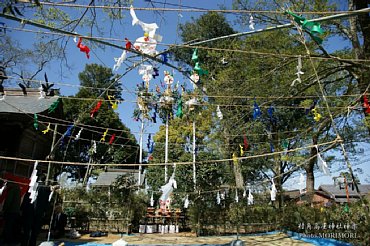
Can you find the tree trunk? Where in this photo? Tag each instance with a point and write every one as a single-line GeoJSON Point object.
{"type": "Point", "coordinates": [310, 179]}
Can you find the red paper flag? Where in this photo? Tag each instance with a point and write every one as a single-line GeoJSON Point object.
{"type": "Point", "coordinates": [128, 44]}
{"type": "Point", "coordinates": [83, 48]}
{"type": "Point", "coordinates": [97, 107]}
{"type": "Point", "coordinates": [112, 138]}
{"type": "Point", "coordinates": [245, 142]}
{"type": "Point", "coordinates": [366, 105]}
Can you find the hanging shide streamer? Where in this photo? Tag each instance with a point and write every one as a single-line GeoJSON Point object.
{"type": "Point", "coordinates": [322, 164]}
{"type": "Point", "coordinates": [251, 22]}
{"type": "Point", "coordinates": [235, 159]}
{"type": "Point", "coordinates": [96, 108]}
{"type": "Point", "coordinates": [151, 200]}
{"type": "Point", "coordinates": [299, 72]}
{"type": "Point", "coordinates": [218, 198]}
{"type": "Point", "coordinates": [219, 113]}
{"type": "Point", "coordinates": [47, 129]}
{"type": "Point", "coordinates": [83, 48]}
{"type": "Point", "coordinates": [186, 202]}
{"type": "Point", "coordinates": [241, 150]}
{"type": "Point", "coordinates": [250, 198]}
{"type": "Point", "coordinates": [273, 190]}
{"type": "Point", "coordinates": [317, 115]}
{"type": "Point", "coordinates": [33, 184]}
{"type": "Point", "coordinates": [118, 61]}
{"type": "Point", "coordinates": [256, 110]}
{"type": "Point", "coordinates": [92, 150]}
{"type": "Point", "coordinates": [53, 106]}
{"type": "Point", "coordinates": [78, 134]}
{"type": "Point", "coordinates": [112, 138]}
{"type": "Point", "coordinates": [102, 139]}
{"type": "Point", "coordinates": [236, 196]}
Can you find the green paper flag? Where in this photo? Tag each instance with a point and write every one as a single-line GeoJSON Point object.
{"type": "Point", "coordinates": [195, 55]}
{"type": "Point", "coordinates": [179, 112]}
{"type": "Point", "coordinates": [54, 106]}
{"type": "Point", "coordinates": [35, 122]}
{"type": "Point", "coordinates": [285, 144]}
{"type": "Point", "coordinates": [199, 70]}
{"type": "Point", "coordinates": [346, 208]}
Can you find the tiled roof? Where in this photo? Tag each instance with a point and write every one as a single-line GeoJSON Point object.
{"type": "Point", "coordinates": [337, 192]}
{"type": "Point", "coordinates": [108, 178]}
{"type": "Point", "coordinates": [30, 104]}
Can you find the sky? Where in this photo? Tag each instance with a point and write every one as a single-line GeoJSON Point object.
{"type": "Point", "coordinates": [167, 22]}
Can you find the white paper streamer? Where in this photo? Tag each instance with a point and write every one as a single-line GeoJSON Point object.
{"type": "Point", "coordinates": [33, 184]}
{"type": "Point", "coordinates": [78, 134]}
{"type": "Point", "coordinates": [322, 164]}
{"type": "Point", "coordinates": [273, 191]}
{"type": "Point", "coordinates": [186, 202]}
{"type": "Point", "coordinates": [236, 196]}
{"type": "Point", "coordinates": [119, 60]}
{"type": "Point", "coordinates": [251, 23]}
{"type": "Point", "coordinates": [219, 113]}
{"type": "Point", "coordinates": [299, 72]}
{"type": "Point", "coordinates": [152, 200]}
{"type": "Point", "coordinates": [218, 198]}
{"type": "Point", "coordinates": [301, 184]}
{"type": "Point", "coordinates": [250, 198]}
{"type": "Point", "coordinates": [149, 28]}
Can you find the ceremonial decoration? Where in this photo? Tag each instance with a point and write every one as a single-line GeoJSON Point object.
{"type": "Point", "coordinates": [251, 22]}
{"type": "Point", "coordinates": [83, 48]}
{"type": "Point", "coordinates": [273, 190]}
{"type": "Point", "coordinates": [53, 106]}
{"type": "Point", "coordinates": [102, 139]}
{"type": "Point", "coordinates": [219, 113]}
{"type": "Point", "coordinates": [250, 198]}
{"type": "Point", "coordinates": [256, 110]}
{"type": "Point", "coordinates": [317, 115]}
{"type": "Point", "coordinates": [35, 122]}
{"type": "Point", "coordinates": [366, 105]}
{"type": "Point", "coordinates": [78, 135]}
{"type": "Point", "coordinates": [33, 186]}
{"type": "Point", "coordinates": [299, 72]}
{"type": "Point", "coordinates": [322, 164]}
{"type": "Point", "coordinates": [96, 108]}
{"type": "Point", "coordinates": [47, 129]}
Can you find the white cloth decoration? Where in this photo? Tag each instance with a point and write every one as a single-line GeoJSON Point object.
{"type": "Point", "coordinates": [167, 189]}
{"type": "Point", "coordinates": [236, 196]}
{"type": "Point", "coordinates": [251, 23]}
{"type": "Point", "coordinates": [301, 184]}
{"type": "Point", "coordinates": [250, 198]}
{"type": "Point", "coordinates": [186, 202]}
{"type": "Point", "coordinates": [146, 45]}
{"type": "Point", "coordinates": [299, 72]}
{"type": "Point", "coordinates": [152, 200]}
{"type": "Point", "coordinates": [33, 184]}
{"type": "Point", "coordinates": [218, 198]}
{"type": "Point", "coordinates": [273, 191]}
{"type": "Point", "coordinates": [78, 134]}
{"type": "Point", "coordinates": [119, 60]}
{"type": "Point", "coordinates": [322, 164]}
{"type": "Point", "coordinates": [149, 28]}
{"type": "Point", "coordinates": [219, 113]}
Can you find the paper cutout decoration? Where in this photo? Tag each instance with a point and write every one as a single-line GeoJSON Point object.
{"type": "Point", "coordinates": [95, 109]}
{"type": "Point", "coordinates": [35, 122]}
{"type": "Point", "coordinates": [194, 57]}
{"type": "Point", "coordinates": [147, 73]}
{"type": "Point", "coordinates": [219, 113]}
{"type": "Point", "coordinates": [164, 57]}
{"type": "Point", "coordinates": [119, 60]}
{"type": "Point", "coordinates": [366, 105]}
{"type": "Point", "coordinates": [236, 196]}
{"type": "Point", "coordinates": [83, 48]}
{"type": "Point", "coordinates": [53, 106]}
{"type": "Point", "coordinates": [223, 61]}
{"type": "Point", "coordinates": [273, 191]}
{"type": "Point", "coordinates": [199, 70]}
{"type": "Point", "coordinates": [68, 133]}
{"type": "Point", "coordinates": [322, 164]}
{"type": "Point", "coordinates": [179, 112]}
{"type": "Point", "coordinates": [256, 110]}
{"type": "Point", "coordinates": [235, 159]}
{"type": "Point", "coordinates": [146, 45]}
{"type": "Point", "coordinates": [241, 150]}
{"type": "Point", "coordinates": [168, 78]}
{"type": "Point", "coordinates": [102, 139]}
{"type": "Point", "coordinates": [151, 200]}
{"type": "Point", "coordinates": [186, 202]}
{"type": "Point", "coordinates": [218, 198]}
{"type": "Point", "coordinates": [148, 28]}
{"type": "Point", "coordinates": [312, 27]}
{"type": "Point", "coordinates": [317, 116]}
{"type": "Point", "coordinates": [250, 198]}
{"type": "Point", "coordinates": [194, 79]}
{"type": "Point", "coordinates": [301, 184]}
{"type": "Point", "coordinates": [251, 22]}
{"type": "Point", "coordinates": [92, 150]}
{"type": "Point", "coordinates": [112, 138]}
{"type": "Point", "coordinates": [191, 103]}
{"type": "Point", "coordinates": [47, 129]}
{"type": "Point", "coordinates": [33, 184]}
{"type": "Point", "coordinates": [42, 93]}
{"type": "Point", "coordinates": [78, 134]}
{"type": "Point", "coordinates": [113, 102]}
{"type": "Point", "coordinates": [299, 72]}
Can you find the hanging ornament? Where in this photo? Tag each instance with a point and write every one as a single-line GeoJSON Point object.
{"type": "Point", "coordinates": [164, 57]}
{"type": "Point", "coordinates": [256, 110]}
{"type": "Point", "coordinates": [366, 105]}
{"type": "Point", "coordinates": [194, 57]}
{"type": "Point", "coordinates": [33, 185]}
{"type": "Point", "coordinates": [155, 72]}
{"type": "Point", "coordinates": [35, 122]}
{"type": "Point", "coordinates": [219, 113]}
{"type": "Point", "coordinates": [285, 144]}
{"type": "Point", "coordinates": [113, 102]}
{"type": "Point", "coordinates": [235, 159]}
{"type": "Point", "coordinates": [236, 196]}
{"type": "Point", "coordinates": [251, 22]}
{"type": "Point", "coordinates": [96, 108]}
{"type": "Point", "coordinates": [146, 45]}
{"type": "Point", "coordinates": [42, 92]}
{"type": "Point", "coordinates": [53, 106]}
{"type": "Point", "coordinates": [179, 112]}
{"type": "Point", "coordinates": [68, 133]}
{"type": "Point", "coordinates": [83, 48]}
{"type": "Point", "coordinates": [245, 141]}
{"type": "Point", "coordinates": [118, 61]}
{"type": "Point", "coordinates": [186, 202]}
{"type": "Point", "coordinates": [92, 150]}
{"type": "Point", "coordinates": [148, 28]}
{"type": "Point", "coordinates": [199, 70]}
{"type": "Point", "coordinates": [218, 198]}
{"type": "Point", "coordinates": [250, 198]}
{"type": "Point", "coordinates": [244, 193]}
{"type": "Point", "coordinates": [299, 72]}
{"type": "Point", "coordinates": [301, 184]}
{"type": "Point", "coordinates": [223, 61]}
{"type": "Point", "coordinates": [102, 139]}
{"type": "Point", "coordinates": [241, 150]}
{"type": "Point", "coordinates": [168, 78]}
{"type": "Point", "coordinates": [270, 112]}
{"type": "Point", "coordinates": [78, 134]}
{"type": "Point", "coordinates": [151, 200]}
{"type": "Point", "coordinates": [311, 27]}
{"type": "Point", "coordinates": [150, 150]}
{"type": "Point", "coordinates": [112, 138]}
{"type": "Point", "coordinates": [191, 103]}
{"type": "Point", "coordinates": [194, 79]}
{"type": "Point", "coordinates": [322, 164]}
{"type": "Point", "coordinates": [317, 116]}
{"type": "Point", "coordinates": [346, 208]}
{"type": "Point", "coordinates": [128, 44]}
{"type": "Point", "coordinates": [47, 129]}
{"type": "Point", "coordinates": [149, 139]}
{"type": "Point", "coordinates": [273, 191]}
